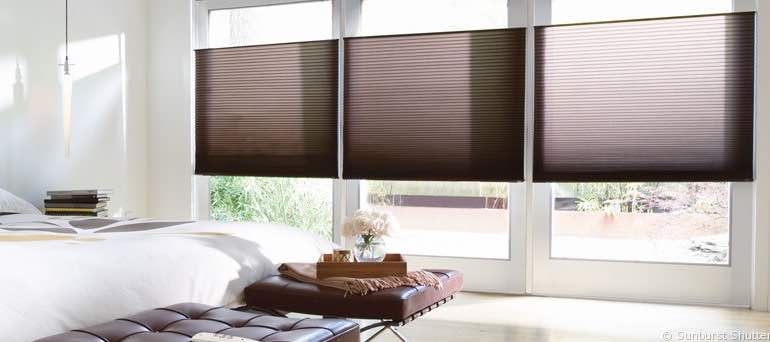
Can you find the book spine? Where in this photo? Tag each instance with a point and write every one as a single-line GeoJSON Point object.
{"type": "Point", "coordinates": [76, 201]}
{"type": "Point", "coordinates": [79, 192]}
{"type": "Point", "coordinates": [70, 204]}
{"type": "Point", "coordinates": [78, 197]}
{"type": "Point", "coordinates": [73, 210]}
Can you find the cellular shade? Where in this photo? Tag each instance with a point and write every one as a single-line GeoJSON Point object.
{"type": "Point", "coordinates": [647, 100]}
{"type": "Point", "coordinates": [442, 106]}
{"type": "Point", "coordinates": [267, 110]}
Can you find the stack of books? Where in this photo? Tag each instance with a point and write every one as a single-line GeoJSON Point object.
{"type": "Point", "coordinates": [77, 203]}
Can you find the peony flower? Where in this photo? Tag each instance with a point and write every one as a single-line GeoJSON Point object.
{"type": "Point", "coordinates": [370, 222]}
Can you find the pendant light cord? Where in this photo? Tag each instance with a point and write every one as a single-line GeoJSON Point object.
{"type": "Point", "coordinates": [66, 29]}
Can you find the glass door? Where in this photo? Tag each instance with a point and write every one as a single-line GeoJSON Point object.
{"type": "Point", "coordinates": [307, 204]}
{"type": "Point", "coordinates": [666, 242]}
{"type": "Point", "coordinates": [474, 227]}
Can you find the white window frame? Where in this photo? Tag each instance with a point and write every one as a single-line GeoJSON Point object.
{"type": "Point", "coordinates": [736, 275]}
{"type": "Point", "coordinates": [508, 275]}
{"type": "Point", "coordinates": [347, 199]}
{"type": "Point", "coordinates": [347, 193]}
{"type": "Point", "coordinates": [344, 193]}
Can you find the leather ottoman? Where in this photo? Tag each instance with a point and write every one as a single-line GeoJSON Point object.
{"type": "Point", "coordinates": [178, 323]}
{"type": "Point", "coordinates": [395, 307]}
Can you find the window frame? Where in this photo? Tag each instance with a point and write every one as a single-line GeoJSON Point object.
{"type": "Point", "coordinates": [341, 201]}
{"type": "Point", "coordinates": [594, 278]}
{"type": "Point", "coordinates": [348, 193]}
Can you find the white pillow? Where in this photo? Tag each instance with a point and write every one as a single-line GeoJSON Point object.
{"type": "Point", "coordinates": [12, 204]}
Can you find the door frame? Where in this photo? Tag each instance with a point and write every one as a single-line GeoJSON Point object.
{"type": "Point", "coordinates": [480, 274]}
{"type": "Point", "coordinates": [640, 281]}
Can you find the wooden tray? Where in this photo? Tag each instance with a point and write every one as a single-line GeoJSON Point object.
{"type": "Point", "coordinates": [393, 265]}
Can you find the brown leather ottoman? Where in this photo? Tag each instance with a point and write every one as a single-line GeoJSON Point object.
{"type": "Point", "coordinates": [178, 323]}
{"type": "Point", "coordinates": [395, 307]}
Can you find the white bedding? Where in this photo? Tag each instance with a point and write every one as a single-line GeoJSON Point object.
{"type": "Point", "coordinates": [51, 282]}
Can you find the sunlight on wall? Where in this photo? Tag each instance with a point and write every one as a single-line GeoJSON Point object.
{"type": "Point", "coordinates": [66, 96]}
{"type": "Point", "coordinates": [573, 11]}
{"type": "Point", "coordinates": [89, 58]}
{"type": "Point", "coordinates": [93, 55]}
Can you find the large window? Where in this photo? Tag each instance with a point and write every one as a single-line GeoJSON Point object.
{"type": "Point", "coordinates": [297, 202]}
{"type": "Point", "coordinates": [381, 17]}
{"type": "Point", "coordinates": [303, 21]}
{"type": "Point", "coordinates": [659, 222]}
{"type": "Point", "coordinates": [461, 219]}
{"type": "Point", "coordinates": [650, 222]}
{"type": "Point", "coordinates": [457, 219]}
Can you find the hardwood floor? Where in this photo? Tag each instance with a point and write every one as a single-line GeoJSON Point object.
{"type": "Point", "coordinates": [484, 317]}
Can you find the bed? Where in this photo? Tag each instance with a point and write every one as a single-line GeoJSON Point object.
{"type": "Point", "coordinates": [60, 273]}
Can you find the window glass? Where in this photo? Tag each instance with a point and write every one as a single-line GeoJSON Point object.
{"type": "Point", "coordinates": [575, 11]}
{"type": "Point", "coordinates": [381, 17]}
{"type": "Point", "coordinates": [303, 203]}
{"type": "Point", "coordinates": [304, 21]}
{"type": "Point", "coordinates": [655, 222]}
{"type": "Point", "coordinates": [460, 219]}
{"type": "Point", "coordinates": [297, 202]}
{"type": "Point", "coordinates": [658, 222]}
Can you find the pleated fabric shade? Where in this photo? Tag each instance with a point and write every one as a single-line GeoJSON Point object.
{"type": "Point", "coordinates": [647, 100]}
{"type": "Point", "coordinates": [440, 106]}
{"type": "Point", "coordinates": [267, 110]}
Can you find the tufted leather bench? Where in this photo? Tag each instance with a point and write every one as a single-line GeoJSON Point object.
{"type": "Point", "coordinates": [178, 323]}
{"type": "Point", "coordinates": [395, 307]}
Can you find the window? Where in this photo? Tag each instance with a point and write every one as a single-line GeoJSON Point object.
{"type": "Point", "coordinates": [460, 219]}
{"type": "Point", "coordinates": [654, 222]}
{"type": "Point", "coordinates": [649, 222]}
{"type": "Point", "coordinates": [571, 11]}
{"type": "Point", "coordinates": [298, 202]}
{"type": "Point", "coordinates": [381, 17]}
{"type": "Point", "coordinates": [302, 21]}
{"type": "Point", "coordinates": [456, 219]}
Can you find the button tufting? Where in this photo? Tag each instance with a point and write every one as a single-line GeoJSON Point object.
{"type": "Point", "coordinates": [173, 323]}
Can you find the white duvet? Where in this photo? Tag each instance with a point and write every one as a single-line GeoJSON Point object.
{"type": "Point", "coordinates": [56, 277]}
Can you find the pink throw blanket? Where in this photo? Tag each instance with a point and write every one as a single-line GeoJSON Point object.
{"type": "Point", "coordinates": [359, 286]}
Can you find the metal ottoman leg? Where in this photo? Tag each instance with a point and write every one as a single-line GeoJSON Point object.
{"type": "Point", "coordinates": [385, 326]}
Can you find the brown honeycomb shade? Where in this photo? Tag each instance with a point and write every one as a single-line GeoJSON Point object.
{"type": "Point", "coordinates": [440, 106]}
{"type": "Point", "coordinates": [647, 100]}
{"type": "Point", "coordinates": [267, 110]}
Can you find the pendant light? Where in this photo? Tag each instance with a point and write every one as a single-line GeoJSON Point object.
{"type": "Point", "coordinates": [66, 86]}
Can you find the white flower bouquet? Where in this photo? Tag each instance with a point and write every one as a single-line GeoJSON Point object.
{"type": "Point", "coordinates": [369, 226]}
{"type": "Point", "coordinates": [370, 223]}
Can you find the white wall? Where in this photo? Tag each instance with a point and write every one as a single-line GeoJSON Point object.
{"type": "Point", "coordinates": [170, 161]}
{"type": "Point", "coordinates": [109, 121]}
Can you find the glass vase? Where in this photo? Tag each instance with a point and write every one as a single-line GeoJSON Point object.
{"type": "Point", "coordinates": [369, 248]}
